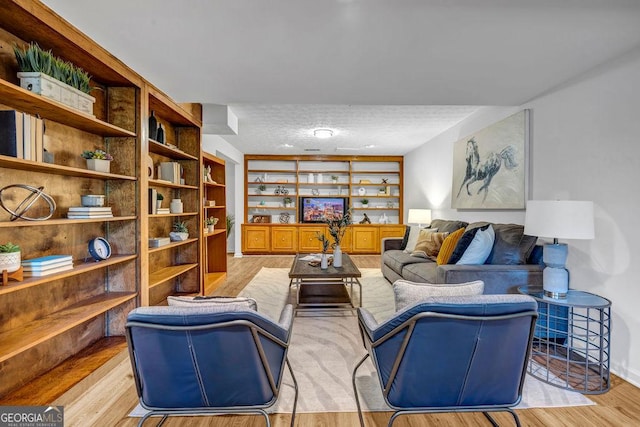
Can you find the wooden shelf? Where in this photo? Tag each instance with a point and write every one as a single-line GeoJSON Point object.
{"type": "Point", "coordinates": [172, 245]}
{"type": "Point", "coordinates": [31, 166]}
{"type": "Point", "coordinates": [79, 267]}
{"type": "Point", "coordinates": [161, 183]}
{"type": "Point", "coordinates": [169, 110]}
{"type": "Point", "coordinates": [215, 207]}
{"type": "Point", "coordinates": [18, 340]}
{"type": "Point", "coordinates": [21, 99]}
{"type": "Point", "coordinates": [164, 150]}
{"type": "Point", "coordinates": [377, 172]}
{"type": "Point", "coordinates": [272, 207]}
{"type": "Point", "coordinates": [62, 221]}
{"type": "Point", "coordinates": [212, 281]}
{"type": "Point", "coordinates": [216, 232]}
{"type": "Point", "coordinates": [167, 273]}
{"type": "Point", "coordinates": [211, 184]}
{"type": "Point", "coordinates": [291, 171]}
{"type": "Point", "coordinates": [172, 215]}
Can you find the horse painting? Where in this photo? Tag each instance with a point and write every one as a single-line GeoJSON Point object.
{"type": "Point", "coordinates": [488, 169]}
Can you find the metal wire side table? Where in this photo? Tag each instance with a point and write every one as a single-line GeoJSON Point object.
{"type": "Point", "coordinates": [571, 341]}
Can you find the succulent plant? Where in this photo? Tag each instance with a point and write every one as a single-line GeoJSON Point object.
{"type": "Point", "coordinates": [212, 220]}
{"type": "Point", "coordinates": [180, 227]}
{"type": "Point", "coordinates": [96, 154]}
{"type": "Point", "coordinates": [9, 247]}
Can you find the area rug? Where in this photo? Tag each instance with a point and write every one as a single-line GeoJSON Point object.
{"type": "Point", "coordinates": [325, 348]}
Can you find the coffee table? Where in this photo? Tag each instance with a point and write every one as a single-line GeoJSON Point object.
{"type": "Point", "coordinates": [330, 289]}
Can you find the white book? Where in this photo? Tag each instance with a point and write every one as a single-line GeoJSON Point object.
{"type": "Point", "coordinates": [26, 141]}
{"type": "Point", "coordinates": [49, 259]}
{"type": "Point", "coordinates": [47, 272]}
{"type": "Point", "coordinates": [88, 216]}
{"type": "Point", "coordinates": [47, 267]}
{"type": "Point", "coordinates": [89, 209]}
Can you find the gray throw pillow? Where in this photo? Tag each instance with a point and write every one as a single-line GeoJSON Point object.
{"type": "Point", "coordinates": [408, 293]}
{"type": "Point", "coordinates": [214, 301]}
{"type": "Point", "coordinates": [512, 246]}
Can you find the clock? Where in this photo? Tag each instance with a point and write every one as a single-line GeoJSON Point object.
{"type": "Point", "coordinates": [99, 248]}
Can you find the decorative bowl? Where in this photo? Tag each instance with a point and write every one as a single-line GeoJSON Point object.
{"type": "Point", "coordinates": [92, 200]}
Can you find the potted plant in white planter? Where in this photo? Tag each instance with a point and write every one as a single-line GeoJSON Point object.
{"type": "Point", "coordinates": [365, 203]}
{"type": "Point", "coordinates": [211, 223]}
{"type": "Point", "coordinates": [334, 179]}
{"type": "Point", "coordinates": [180, 232]}
{"type": "Point", "coordinates": [261, 188]}
{"type": "Point", "coordinates": [97, 160]}
{"type": "Point", "coordinates": [287, 202]}
{"type": "Point", "coordinates": [159, 199]}
{"type": "Point", "coordinates": [45, 74]}
{"type": "Point", "coordinates": [9, 257]}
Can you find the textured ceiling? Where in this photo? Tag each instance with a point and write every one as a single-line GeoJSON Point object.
{"type": "Point", "coordinates": [361, 129]}
{"type": "Point", "coordinates": [357, 52]}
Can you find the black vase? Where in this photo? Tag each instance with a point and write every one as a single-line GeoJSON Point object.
{"type": "Point", "coordinates": [160, 134]}
{"type": "Point", "coordinates": [153, 126]}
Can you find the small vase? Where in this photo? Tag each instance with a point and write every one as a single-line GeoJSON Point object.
{"type": "Point", "coordinates": [176, 206]}
{"type": "Point", "coordinates": [323, 262]}
{"type": "Point", "coordinates": [99, 165]}
{"type": "Point", "coordinates": [158, 204]}
{"type": "Point", "coordinates": [337, 257]}
{"type": "Point", "coordinates": [160, 134]}
{"type": "Point", "coordinates": [210, 228]}
{"type": "Point", "coordinates": [177, 236]}
{"type": "Point", "coordinates": [153, 126]}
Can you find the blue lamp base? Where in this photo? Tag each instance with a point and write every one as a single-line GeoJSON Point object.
{"type": "Point", "coordinates": [555, 278]}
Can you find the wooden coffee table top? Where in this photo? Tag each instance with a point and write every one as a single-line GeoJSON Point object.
{"type": "Point", "coordinates": [302, 270]}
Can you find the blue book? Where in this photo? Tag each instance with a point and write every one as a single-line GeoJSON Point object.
{"type": "Point", "coordinates": [46, 260]}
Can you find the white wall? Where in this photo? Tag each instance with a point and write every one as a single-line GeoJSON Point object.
{"type": "Point", "coordinates": [234, 168]}
{"type": "Point", "coordinates": [585, 145]}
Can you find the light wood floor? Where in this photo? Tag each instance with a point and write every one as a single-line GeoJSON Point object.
{"type": "Point", "coordinates": [619, 407]}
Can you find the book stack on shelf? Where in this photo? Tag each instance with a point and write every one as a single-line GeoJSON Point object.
{"type": "Point", "coordinates": [85, 212]}
{"type": "Point", "coordinates": [47, 265]}
{"type": "Point", "coordinates": [21, 135]}
{"type": "Point", "coordinates": [163, 211]}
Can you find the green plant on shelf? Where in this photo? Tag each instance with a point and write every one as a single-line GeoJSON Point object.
{"type": "Point", "coordinates": [287, 201]}
{"type": "Point", "coordinates": [212, 220]}
{"type": "Point", "coordinates": [159, 197]}
{"type": "Point", "coordinates": [33, 59]}
{"type": "Point", "coordinates": [365, 202]}
{"type": "Point", "coordinates": [9, 247]}
{"type": "Point", "coordinates": [96, 154]}
{"type": "Point", "coordinates": [180, 227]}
{"type": "Point", "coordinates": [230, 222]}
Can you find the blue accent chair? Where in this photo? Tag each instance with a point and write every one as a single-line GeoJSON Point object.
{"type": "Point", "coordinates": [451, 354]}
{"type": "Point", "coordinates": [208, 360]}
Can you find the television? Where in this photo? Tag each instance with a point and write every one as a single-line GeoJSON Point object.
{"type": "Point", "coordinates": [321, 209]}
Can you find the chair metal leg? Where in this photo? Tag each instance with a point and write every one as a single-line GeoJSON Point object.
{"type": "Point", "coordinates": [355, 389]}
{"type": "Point", "coordinates": [295, 386]}
{"type": "Point", "coordinates": [511, 411]}
{"type": "Point", "coordinates": [149, 414]}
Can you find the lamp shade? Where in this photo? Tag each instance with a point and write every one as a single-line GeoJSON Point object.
{"type": "Point", "coordinates": [419, 216]}
{"type": "Point", "coordinates": [559, 219]}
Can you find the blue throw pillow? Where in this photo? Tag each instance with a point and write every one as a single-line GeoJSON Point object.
{"type": "Point", "coordinates": [479, 249]}
{"type": "Point", "coordinates": [463, 243]}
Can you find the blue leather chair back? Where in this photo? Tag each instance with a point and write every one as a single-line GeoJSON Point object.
{"type": "Point", "coordinates": [198, 357]}
{"type": "Point", "coordinates": [452, 352]}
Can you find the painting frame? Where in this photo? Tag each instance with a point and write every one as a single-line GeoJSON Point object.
{"type": "Point", "coordinates": [491, 166]}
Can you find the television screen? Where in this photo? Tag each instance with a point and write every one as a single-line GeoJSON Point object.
{"type": "Point", "coordinates": [320, 209]}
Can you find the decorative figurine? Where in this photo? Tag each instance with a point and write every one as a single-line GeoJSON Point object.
{"type": "Point", "coordinates": [365, 220]}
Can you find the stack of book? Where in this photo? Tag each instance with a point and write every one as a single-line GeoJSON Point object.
{"type": "Point", "coordinates": [164, 211]}
{"type": "Point", "coordinates": [47, 265]}
{"type": "Point", "coordinates": [21, 135]}
{"type": "Point", "coordinates": [84, 212]}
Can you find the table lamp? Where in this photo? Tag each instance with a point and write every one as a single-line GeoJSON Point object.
{"type": "Point", "coordinates": [564, 219]}
{"type": "Point", "coordinates": [419, 216]}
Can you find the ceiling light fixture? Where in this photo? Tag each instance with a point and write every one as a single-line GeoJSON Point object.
{"type": "Point", "coordinates": [323, 133]}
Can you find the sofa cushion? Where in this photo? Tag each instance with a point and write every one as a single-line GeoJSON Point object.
{"type": "Point", "coordinates": [429, 243]}
{"type": "Point", "coordinates": [447, 226]}
{"type": "Point", "coordinates": [421, 272]}
{"type": "Point", "coordinates": [407, 293]}
{"type": "Point", "coordinates": [414, 233]}
{"type": "Point", "coordinates": [479, 249]}
{"type": "Point", "coordinates": [397, 259]}
{"type": "Point", "coordinates": [448, 246]}
{"type": "Point", "coordinates": [512, 246]}
{"type": "Point", "coordinates": [232, 303]}
{"type": "Point", "coordinates": [405, 239]}
{"type": "Point", "coordinates": [463, 243]}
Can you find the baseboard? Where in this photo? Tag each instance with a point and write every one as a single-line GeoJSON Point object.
{"type": "Point", "coordinates": [629, 375]}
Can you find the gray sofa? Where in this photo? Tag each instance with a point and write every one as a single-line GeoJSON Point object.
{"type": "Point", "coordinates": [522, 266]}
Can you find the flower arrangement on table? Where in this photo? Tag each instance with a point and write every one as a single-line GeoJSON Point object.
{"type": "Point", "coordinates": [338, 226]}
{"type": "Point", "coordinates": [324, 241]}
{"type": "Point", "coordinates": [96, 154]}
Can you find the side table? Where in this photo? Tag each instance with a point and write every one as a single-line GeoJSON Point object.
{"type": "Point", "coordinates": [571, 340]}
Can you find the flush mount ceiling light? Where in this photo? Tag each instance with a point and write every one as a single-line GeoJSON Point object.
{"type": "Point", "coordinates": [323, 133]}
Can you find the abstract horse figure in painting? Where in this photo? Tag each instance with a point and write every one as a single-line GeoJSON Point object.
{"type": "Point", "coordinates": [487, 170]}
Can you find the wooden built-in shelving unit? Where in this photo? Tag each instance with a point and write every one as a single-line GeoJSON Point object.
{"type": "Point", "coordinates": [45, 320]}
